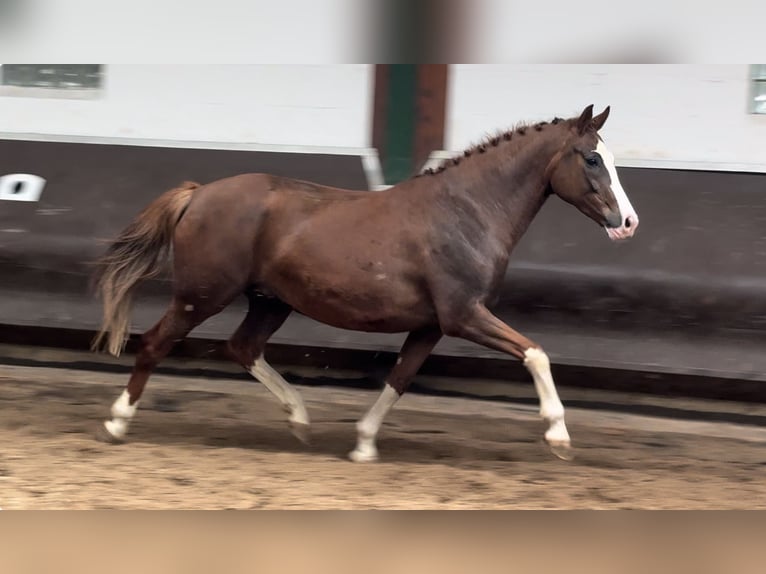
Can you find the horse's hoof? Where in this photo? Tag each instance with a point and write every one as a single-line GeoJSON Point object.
{"type": "Point", "coordinates": [562, 450]}
{"type": "Point", "coordinates": [103, 435]}
{"type": "Point", "coordinates": [357, 455]}
{"type": "Point", "coordinates": [301, 431]}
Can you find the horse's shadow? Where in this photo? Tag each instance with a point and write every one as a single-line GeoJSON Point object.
{"type": "Point", "coordinates": [334, 438]}
{"type": "Point", "coordinates": [406, 437]}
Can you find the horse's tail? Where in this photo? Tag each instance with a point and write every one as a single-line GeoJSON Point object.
{"type": "Point", "coordinates": [139, 252]}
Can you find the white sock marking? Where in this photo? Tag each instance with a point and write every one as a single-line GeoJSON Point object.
{"type": "Point", "coordinates": [551, 409]}
{"type": "Point", "coordinates": [623, 203]}
{"type": "Point", "coordinates": [290, 398]}
{"type": "Point", "coordinates": [122, 413]}
{"type": "Point", "coordinates": [368, 427]}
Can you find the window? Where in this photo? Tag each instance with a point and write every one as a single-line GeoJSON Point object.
{"type": "Point", "coordinates": [758, 88]}
{"type": "Point", "coordinates": [51, 80]}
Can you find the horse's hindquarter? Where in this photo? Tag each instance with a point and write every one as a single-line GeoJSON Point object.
{"type": "Point", "coordinates": [214, 239]}
{"type": "Point", "coordinates": [353, 261]}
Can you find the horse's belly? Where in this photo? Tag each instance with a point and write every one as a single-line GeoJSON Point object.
{"type": "Point", "coordinates": [352, 303]}
{"type": "Point", "coordinates": [363, 320]}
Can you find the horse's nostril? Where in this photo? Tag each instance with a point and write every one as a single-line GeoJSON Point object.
{"type": "Point", "coordinates": [628, 222]}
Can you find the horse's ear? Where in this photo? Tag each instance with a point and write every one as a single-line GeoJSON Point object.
{"type": "Point", "coordinates": [600, 120]}
{"type": "Point", "coordinates": [585, 119]}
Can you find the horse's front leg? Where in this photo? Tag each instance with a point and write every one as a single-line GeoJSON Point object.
{"type": "Point", "coordinates": [415, 350]}
{"type": "Point", "coordinates": [478, 324]}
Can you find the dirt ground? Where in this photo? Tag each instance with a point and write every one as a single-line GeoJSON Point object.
{"type": "Point", "coordinates": [225, 445]}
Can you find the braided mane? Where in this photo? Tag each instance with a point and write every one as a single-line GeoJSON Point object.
{"type": "Point", "coordinates": [489, 142]}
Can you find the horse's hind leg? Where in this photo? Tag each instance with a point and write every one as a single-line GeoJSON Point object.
{"type": "Point", "coordinates": [415, 350]}
{"type": "Point", "coordinates": [179, 319]}
{"type": "Point", "coordinates": [247, 345]}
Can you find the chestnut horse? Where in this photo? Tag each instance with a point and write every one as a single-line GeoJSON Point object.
{"type": "Point", "coordinates": [425, 257]}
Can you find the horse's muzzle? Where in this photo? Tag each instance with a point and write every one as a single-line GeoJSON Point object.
{"type": "Point", "coordinates": [624, 228]}
{"type": "Point", "coordinates": [613, 220]}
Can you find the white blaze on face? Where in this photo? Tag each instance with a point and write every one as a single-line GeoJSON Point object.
{"type": "Point", "coordinates": [628, 214]}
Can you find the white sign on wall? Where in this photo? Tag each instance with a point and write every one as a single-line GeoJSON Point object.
{"type": "Point", "coordinates": [21, 187]}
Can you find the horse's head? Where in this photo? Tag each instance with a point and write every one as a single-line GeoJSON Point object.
{"type": "Point", "coordinates": [584, 175]}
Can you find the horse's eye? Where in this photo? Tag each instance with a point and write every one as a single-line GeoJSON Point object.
{"type": "Point", "coordinates": [591, 161]}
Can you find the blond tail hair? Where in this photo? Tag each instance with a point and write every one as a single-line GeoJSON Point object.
{"type": "Point", "coordinates": [139, 252]}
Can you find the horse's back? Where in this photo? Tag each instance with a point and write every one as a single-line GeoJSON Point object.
{"type": "Point", "coordinates": [235, 224]}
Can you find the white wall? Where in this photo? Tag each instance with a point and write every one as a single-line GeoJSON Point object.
{"type": "Point", "coordinates": [662, 115]}
{"type": "Point", "coordinates": [191, 31]}
{"type": "Point", "coordinates": [293, 105]}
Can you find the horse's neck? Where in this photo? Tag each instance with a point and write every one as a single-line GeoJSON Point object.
{"type": "Point", "coordinates": [508, 189]}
